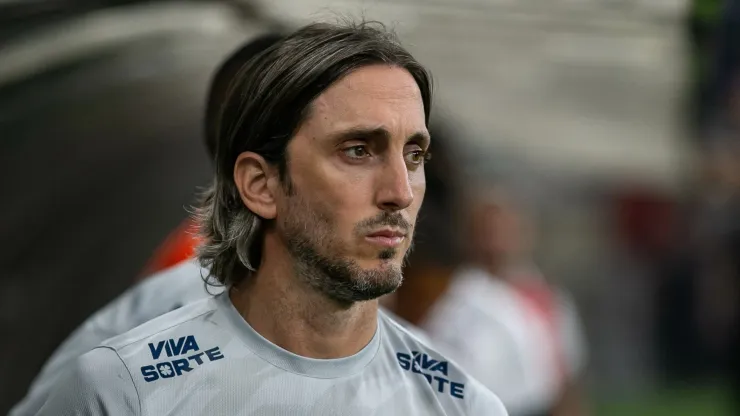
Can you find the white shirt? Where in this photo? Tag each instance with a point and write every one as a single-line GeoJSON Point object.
{"type": "Point", "coordinates": [205, 359]}
{"type": "Point", "coordinates": [153, 297]}
{"type": "Point", "coordinates": [487, 327]}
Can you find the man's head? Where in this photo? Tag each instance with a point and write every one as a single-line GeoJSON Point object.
{"type": "Point", "coordinates": [320, 161]}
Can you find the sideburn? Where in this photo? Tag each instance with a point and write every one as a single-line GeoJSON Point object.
{"type": "Point", "coordinates": [284, 173]}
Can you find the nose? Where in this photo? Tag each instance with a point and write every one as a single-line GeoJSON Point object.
{"type": "Point", "coordinates": [394, 191]}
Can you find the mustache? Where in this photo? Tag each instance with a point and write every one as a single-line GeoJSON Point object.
{"type": "Point", "coordinates": [386, 219]}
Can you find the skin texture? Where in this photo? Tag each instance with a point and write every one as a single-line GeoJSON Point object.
{"type": "Point", "coordinates": [355, 166]}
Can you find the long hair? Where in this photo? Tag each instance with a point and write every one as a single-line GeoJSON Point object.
{"type": "Point", "coordinates": [268, 100]}
{"type": "Point", "coordinates": [221, 81]}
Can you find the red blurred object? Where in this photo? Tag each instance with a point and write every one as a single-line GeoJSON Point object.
{"type": "Point", "coordinates": [645, 219]}
{"type": "Point", "coordinates": [540, 299]}
{"type": "Point", "coordinates": [179, 246]}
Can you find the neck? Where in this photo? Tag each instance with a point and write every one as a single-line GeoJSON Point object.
{"type": "Point", "coordinates": [282, 308]}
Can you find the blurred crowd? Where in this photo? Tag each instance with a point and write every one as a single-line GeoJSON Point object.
{"type": "Point", "coordinates": [104, 127]}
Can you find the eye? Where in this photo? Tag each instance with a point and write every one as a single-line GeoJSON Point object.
{"type": "Point", "coordinates": [356, 152]}
{"type": "Point", "coordinates": [417, 157]}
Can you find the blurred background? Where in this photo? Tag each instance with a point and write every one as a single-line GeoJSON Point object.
{"type": "Point", "coordinates": [615, 122]}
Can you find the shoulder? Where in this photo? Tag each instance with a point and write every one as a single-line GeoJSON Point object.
{"type": "Point", "coordinates": [399, 331]}
{"type": "Point", "coordinates": [98, 383]}
{"type": "Point", "coordinates": [175, 286]}
{"type": "Point", "coordinates": [175, 343]}
{"type": "Point", "coordinates": [155, 296]}
{"type": "Point", "coordinates": [412, 329]}
{"type": "Point", "coordinates": [189, 317]}
{"type": "Point", "coordinates": [417, 355]}
{"type": "Point", "coordinates": [100, 364]}
{"type": "Point", "coordinates": [483, 401]}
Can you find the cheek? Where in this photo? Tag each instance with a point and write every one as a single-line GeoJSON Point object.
{"type": "Point", "coordinates": [348, 210]}
{"type": "Point", "coordinates": [337, 208]}
{"type": "Point", "coordinates": [347, 195]}
{"type": "Point", "coordinates": [327, 182]}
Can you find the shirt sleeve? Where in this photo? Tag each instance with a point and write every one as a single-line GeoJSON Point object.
{"type": "Point", "coordinates": [98, 384]}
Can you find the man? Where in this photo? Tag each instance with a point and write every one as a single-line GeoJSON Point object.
{"type": "Point", "coordinates": [177, 281]}
{"type": "Point", "coordinates": [502, 322]}
{"type": "Point", "coordinates": [319, 177]}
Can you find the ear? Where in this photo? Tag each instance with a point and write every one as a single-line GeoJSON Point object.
{"type": "Point", "coordinates": [254, 178]}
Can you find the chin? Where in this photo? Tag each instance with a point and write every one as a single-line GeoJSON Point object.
{"type": "Point", "coordinates": [380, 264]}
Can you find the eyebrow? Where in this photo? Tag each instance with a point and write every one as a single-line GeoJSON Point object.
{"type": "Point", "coordinates": [364, 133]}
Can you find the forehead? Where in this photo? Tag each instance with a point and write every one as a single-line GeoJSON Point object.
{"type": "Point", "coordinates": [377, 95]}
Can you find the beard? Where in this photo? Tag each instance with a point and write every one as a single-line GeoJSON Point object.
{"type": "Point", "coordinates": [309, 233]}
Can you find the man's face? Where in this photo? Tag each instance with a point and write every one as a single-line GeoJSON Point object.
{"type": "Point", "coordinates": [356, 169]}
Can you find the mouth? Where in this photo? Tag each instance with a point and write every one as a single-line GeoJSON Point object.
{"type": "Point", "coordinates": [386, 237]}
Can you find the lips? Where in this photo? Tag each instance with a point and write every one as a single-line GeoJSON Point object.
{"type": "Point", "coordinates": [386, 237]}
{"type": "Point", "coordinates": [387, 234]}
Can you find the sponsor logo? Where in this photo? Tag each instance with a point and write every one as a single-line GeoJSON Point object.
{"type": "Point", "coordinates": [184, 347]}
{"type": "Point", "coordinates": [434, 371]}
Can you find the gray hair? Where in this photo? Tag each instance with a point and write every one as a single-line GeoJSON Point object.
{"type": "Point", "coordinates": [268, 100]}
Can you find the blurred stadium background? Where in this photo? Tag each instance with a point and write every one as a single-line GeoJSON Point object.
{"type": "Point", "coordinates": [616, 119]}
